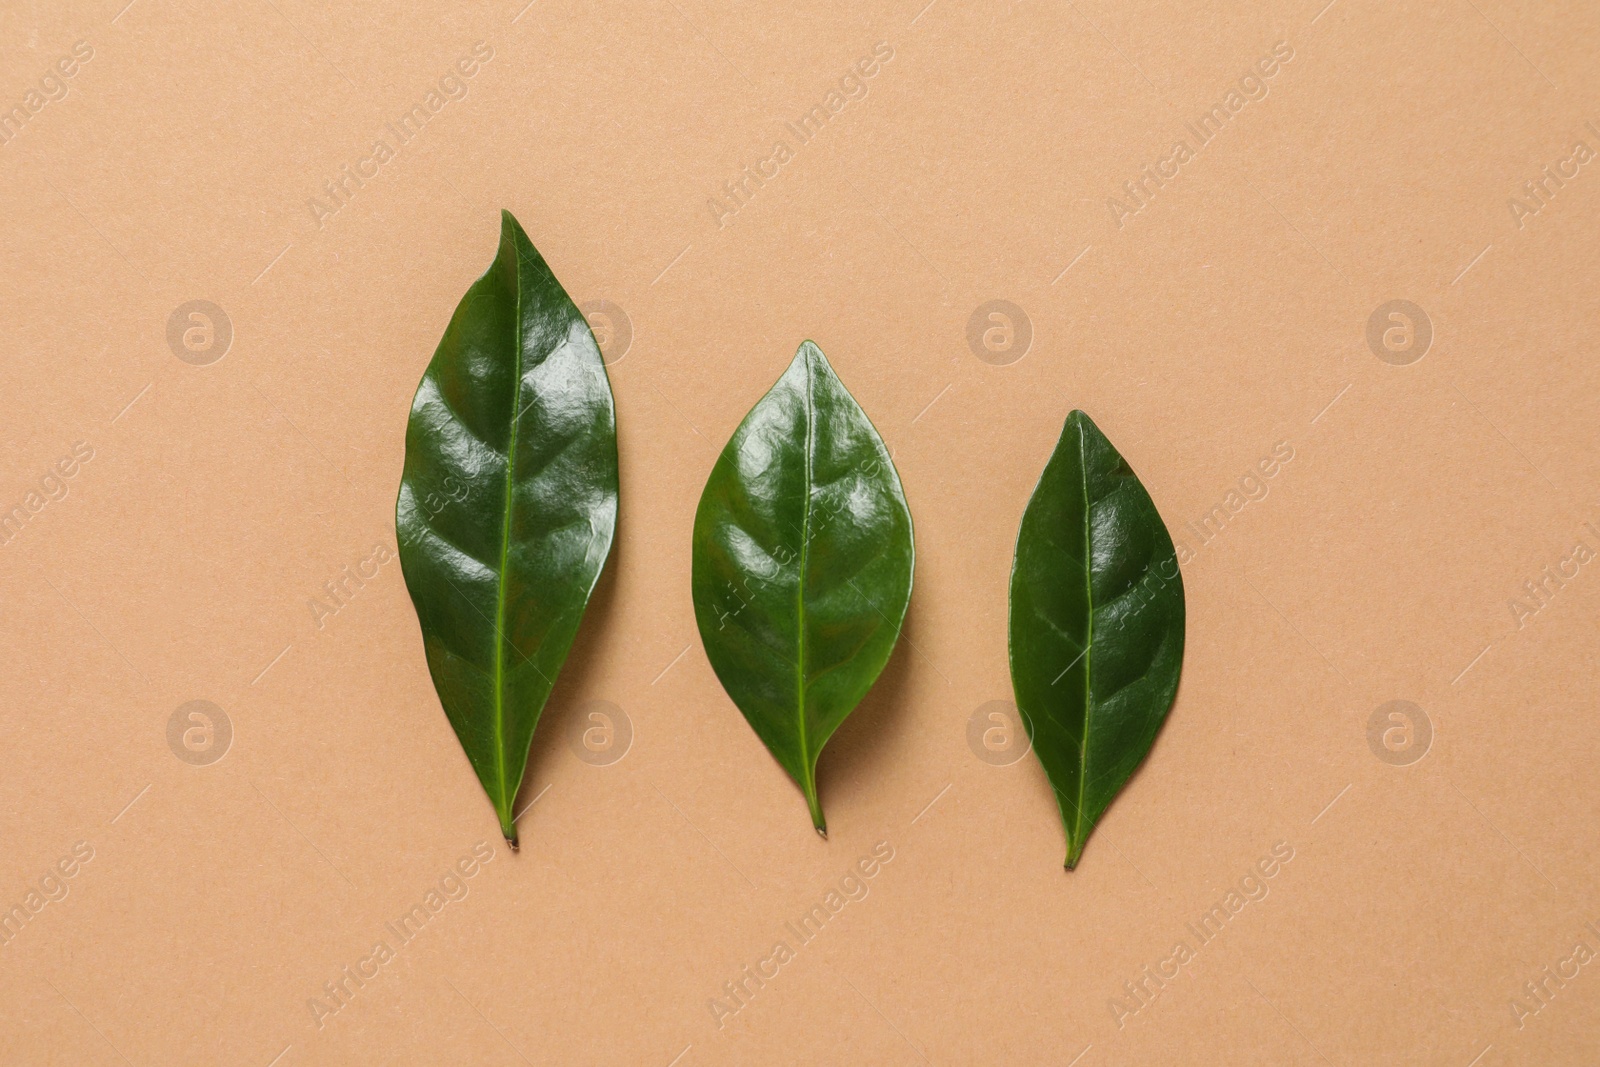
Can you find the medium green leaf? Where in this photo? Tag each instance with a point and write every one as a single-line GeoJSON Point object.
{"type": "Point", "coordinates": [802, 564]}
{"type": "Point", "coordinates": [1096, 624]}
{"type": "Point", "coordinates": [507, 505]}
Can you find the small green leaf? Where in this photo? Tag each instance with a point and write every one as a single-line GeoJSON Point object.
{"type": "Point", "coordinates": [1096, 624]}
{"type": "Point", "coordinates": [507, 506]}
{"type": "Point", "coordinates": [802, 564]}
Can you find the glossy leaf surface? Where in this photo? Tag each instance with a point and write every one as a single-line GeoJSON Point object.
{"type": "Point", "coordinates": [1096, 624]}
{"type": "Point", "coordinates": [802, 564]}
{"type": "Point", "coordinates": [507, 505]}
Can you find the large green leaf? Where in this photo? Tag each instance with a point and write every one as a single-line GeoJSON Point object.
{"type": "Point", "coordinates": [507, 505]}
{"type": "Point", "coordinates": [1096, 624]}
{"type": "Point", "coordinates": [802, 564]}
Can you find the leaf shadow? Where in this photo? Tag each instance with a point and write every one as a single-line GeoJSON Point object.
{"type": "Point", "coordinates": [559, 718]}
{"type": "Point", "coordinates": [866, 737]}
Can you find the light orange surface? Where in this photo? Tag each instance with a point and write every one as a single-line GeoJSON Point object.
{"type": "Point", "coordinates": [285, 880]}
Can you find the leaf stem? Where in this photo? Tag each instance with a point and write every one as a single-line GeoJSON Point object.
{"type": "Point", "coordinates": [815, 804]}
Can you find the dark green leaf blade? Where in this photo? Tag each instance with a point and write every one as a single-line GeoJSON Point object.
{"type": "Point", "coordinates": [507, 506]}
{"type": "Point", "coordinates": [1097, 623]}
{"type": "Point", "coordinates": [802, 564]}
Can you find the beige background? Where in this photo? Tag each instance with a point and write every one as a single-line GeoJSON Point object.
{"type": "Point", "coordinates": [1228, 315]}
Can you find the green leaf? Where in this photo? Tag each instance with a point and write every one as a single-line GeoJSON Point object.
{"type": "Point", "coordinates": [507, 505]}
{"type": "Point", "coordinates": [1096, 624]}
{"type": "Point", "coordinates": [802, 564]}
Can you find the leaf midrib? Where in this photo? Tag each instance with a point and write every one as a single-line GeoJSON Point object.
{"type": "Point", "coordinates": [505, 545]}
{"type": "Point", "coordinates": [1088, 638]}
{"type": "Point", "coordinates": [800, 589]}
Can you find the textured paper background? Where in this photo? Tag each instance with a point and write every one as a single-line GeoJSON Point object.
{"type": "Point", "coordinates": [1440, 860]}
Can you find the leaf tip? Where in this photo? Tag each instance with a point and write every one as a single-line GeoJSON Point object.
{"type": "Point", "coordinates": [510, 229]}
{"type": "Point", "coordinates": [814, 803]}
{"type": "Point", "coordinates": [811, 352]}
{"type": "Point", "coordinates": [513, 843]}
